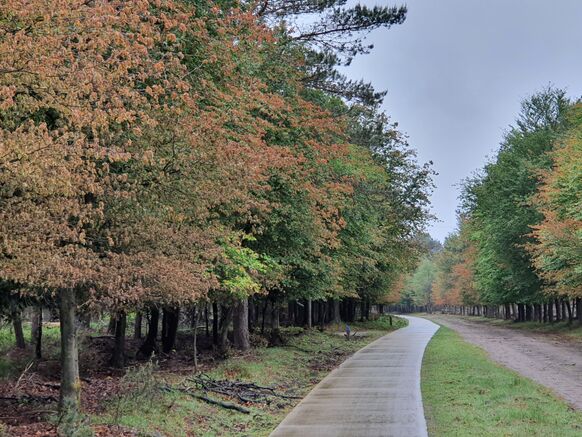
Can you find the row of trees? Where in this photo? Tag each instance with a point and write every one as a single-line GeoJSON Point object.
{"type": "Point", "coordinates": [156, 156]}
{"type": "Point", "coordinates": [518, 250]}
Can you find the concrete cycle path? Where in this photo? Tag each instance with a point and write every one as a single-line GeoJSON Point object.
{"type": "Point", "coordinates": [374, 393]}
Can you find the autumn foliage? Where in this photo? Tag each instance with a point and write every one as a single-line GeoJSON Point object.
{"type": "Point", "coordinates": [158, 155]}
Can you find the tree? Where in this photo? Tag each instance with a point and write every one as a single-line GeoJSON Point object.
{"type": "Point", "coordinates": [557, 248]}
{"type": "Point", "coordinates": [499, 207]}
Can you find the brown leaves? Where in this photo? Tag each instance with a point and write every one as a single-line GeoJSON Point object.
{"type": "Point", "coordinates": [127, 154]}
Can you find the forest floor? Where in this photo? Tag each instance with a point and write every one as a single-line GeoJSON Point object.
{"type": "Point", "coordinates": [467, 394]}
{"type": "Point", "coordinates": [550, 356]}
{"type": "Point", "coordinates": [159, 398]}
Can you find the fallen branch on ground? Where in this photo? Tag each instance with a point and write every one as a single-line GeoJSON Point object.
{"type": "Point", "coordinates": [244, 391]}
{"type": "Point", "coordinates": [205, 398]}
{"type": "Point", "coordinates": [227, 405]}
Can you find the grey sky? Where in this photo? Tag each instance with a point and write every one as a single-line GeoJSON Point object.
{"type": "Point", "coordinates": [456, 72]}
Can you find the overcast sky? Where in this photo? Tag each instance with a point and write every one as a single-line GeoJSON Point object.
{"type": "Point", "coordinates": [456, 71]}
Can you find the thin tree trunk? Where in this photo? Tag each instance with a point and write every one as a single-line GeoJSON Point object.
{"type": "Point", "coordinates": [224, 327]}
{"type": "Point", "coordinates": [336, 311]}
{"type": "Point", "coordinates": [215, 339]}
{"type": "Point", "coordinates": [569, 308]}
{"type": "Point", "coordinates": [18, 334]}
{"type": "Point", "coordinates": [558, 312]}
{"type": "Point", "coordinates": [149, 345]}
{"type": "Point", "coordinates": [206, 324]}
{"type": "Point", "coordinates": [291, 311]}
{"type": "Point", "coordinates": [528, 312]}
{"type": "Point", "coordinates": [252, 314]}
{"type": "Point", "coordinates": [69, 402]}
{"type": "Point", "coordinates": [36, 331]}
{"type": "Point", "coordinates": [275, 316]}
{"type": "Point", "coordinates": [111, 326]}
{"type": "Point", "coordinates": [137, 325]}
{"type": "Point", "coordinates": [241, 325]}
{"type": "Point", "coordinates": [579, 310]}
{"type": "Point", "coordinates": [550, 311]}
{"type": "Point", "coordinates": [196, 315]}
{"type": "Point", "coordinates": [170, 328]}
{"type": "Point", "coordinates": [309, 313]}
{"type": "Point", "coordinates": [118, 358]}
{"type": "Point", "coordinates": [264, 312]}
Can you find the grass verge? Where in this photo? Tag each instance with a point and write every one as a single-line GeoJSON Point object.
{"type": "Point", "coordinates": [466, 394]}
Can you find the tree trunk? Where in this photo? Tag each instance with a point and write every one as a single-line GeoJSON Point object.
{"type": "Point", "coordinates": [528, 312]}
{"type": "Point", "coordinates": [224, 327]}
{"type": "Point", "coordinates": [579, 310]}
{"type": "Point", "coordinates": [569, 309]}
{"type": "Point", "coordinates": [215, 335]}
{"type": "Point", "coordinates": [336, 311]}
{"type": "Point", "coordinates": [36, 331]}
{"type": "Point", "coordinates": [18, 334]}
{"type": "Point", "coordinates": [111, 326]}
{"type": "Point", "coordinates": [170, 328]}
{"type": "Point", "coordinates": [252, 315]}
{"type": "Point", "coordinates": [322, 312]}
{"type": "Point", "coordinates": [206, 324]}
{"type": "Point", "coordinates": [275, 316]}
{"type": "Point", "coordinates": [196, 313]}
{"type": "Point", "coordinates": [149, 345]}
{"type": "Point", "coordinates": [264, 315]}
{"type": "Point", "coordinates": [69, 402]}
{"type": "Point", "coordinates": [241, 325]}
{"type": "Point", "coordinates": [309, 314]}
{"type": "Point", "coordinates": [291, 312]}
{"type": "Point", "coordinates": [118, 358]}
{"type": "Point", "coordinates": [550, 312]}
{"type": "Point", "coordinates": [558, 312]}
{"type": "Point", "coordinates": [137, 325]}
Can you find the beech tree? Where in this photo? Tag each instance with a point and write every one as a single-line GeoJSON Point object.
{"type": "Point", "coordinates": [156, 155]}
{"type": "Point", "coordinates": [557, 247]}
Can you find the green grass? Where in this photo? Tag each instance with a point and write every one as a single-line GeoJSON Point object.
{"type": "Point", "coordinates": [294, 368]}
{"type": "Point", "coordinates": [466, 394]}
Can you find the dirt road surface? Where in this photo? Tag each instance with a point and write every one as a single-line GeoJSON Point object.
{"type": "Point", "coordinates": [549, 360]}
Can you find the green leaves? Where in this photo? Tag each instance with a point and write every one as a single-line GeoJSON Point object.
{"type": "Point", "coordinates": [499, 202]}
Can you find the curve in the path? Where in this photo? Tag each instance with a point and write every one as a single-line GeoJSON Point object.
{"type": "Point", "coordinates": [375, 393]}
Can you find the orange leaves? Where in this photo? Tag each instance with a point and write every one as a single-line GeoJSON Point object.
{"type": "Point", "coordinates": [557, 247]}
{"type": "Point", "coordinates": [133, 138]}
